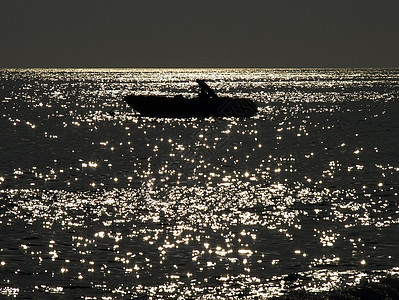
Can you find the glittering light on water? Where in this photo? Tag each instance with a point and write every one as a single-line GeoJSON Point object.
{"type": "Point", "coordinates": [197, 207]}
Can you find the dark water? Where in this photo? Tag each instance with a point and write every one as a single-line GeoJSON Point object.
{"type": "Point", "coordinates": [92, 205]}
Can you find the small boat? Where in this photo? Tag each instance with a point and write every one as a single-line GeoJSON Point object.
{"type": "Point", "coordinates": [206, 104]}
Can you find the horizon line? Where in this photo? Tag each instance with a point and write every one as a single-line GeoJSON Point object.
{"type": "Point", "coordinates": [198, 68]}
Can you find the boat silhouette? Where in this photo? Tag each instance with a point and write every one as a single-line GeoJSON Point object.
{"type": "Point", "coordinates": [206, 104]}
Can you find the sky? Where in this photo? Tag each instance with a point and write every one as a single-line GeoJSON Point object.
{"type": "Point", "coordinates": [206, 33]}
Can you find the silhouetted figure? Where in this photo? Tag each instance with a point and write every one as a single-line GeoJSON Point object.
{"type": "Point", "coordinates": [205, 91]}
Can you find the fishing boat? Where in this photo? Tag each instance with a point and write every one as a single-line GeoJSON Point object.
{"type": "Point", "coordinates": [206, 104]}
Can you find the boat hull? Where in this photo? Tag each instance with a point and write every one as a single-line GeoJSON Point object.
{"type": "Point", "coordinates": [179, 107]}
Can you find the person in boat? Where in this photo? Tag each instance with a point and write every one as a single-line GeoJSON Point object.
{"type": "Point", "coordinates": [205, 92]}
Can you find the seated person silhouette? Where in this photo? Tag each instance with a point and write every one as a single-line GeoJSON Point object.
{"type": "Point", "coordinates": [205, 92]}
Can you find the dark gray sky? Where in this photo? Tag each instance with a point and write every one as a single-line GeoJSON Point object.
{"type": "Point", "coordinates": [205, 33]}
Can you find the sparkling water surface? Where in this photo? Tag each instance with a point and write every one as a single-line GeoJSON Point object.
{"type": "Point", "coordinates": [100, 205]}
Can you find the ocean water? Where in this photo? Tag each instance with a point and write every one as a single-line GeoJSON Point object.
{"type": "Point", "coordinates": [97, 205]}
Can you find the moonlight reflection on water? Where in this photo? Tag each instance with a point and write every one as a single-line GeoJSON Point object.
{"type": "Point", "coordinates": [93, 205]}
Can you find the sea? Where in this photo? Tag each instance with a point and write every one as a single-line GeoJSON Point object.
{"type": "Point", "coordinates": [98, 202]}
